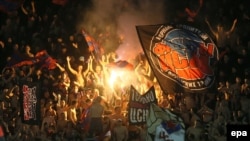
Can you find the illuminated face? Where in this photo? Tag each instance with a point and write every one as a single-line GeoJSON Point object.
{"type": "Point", "coordinates": [64, 50]}
{"type": "Point", "coordinates": [71, 38]}
{"type": "Point", "coordinates": [238, 80]}
{"type": "Point", "coordinates": [63, 103]}
{"type": "Point", "coordinates": [80, 67]}
{"type": "Point", "coordinates": [21, 73]}
{"type": "Point", "coordinates": [98, 69]}
{"type": "Point", "coordinates": [118, 110]}
{"type": "Point", "coordinates": [38, 72]}
{"type": "Point", "coordinates": [16, 47]}
{"type": "Point", "coordinates": [27, 48]}
{"type": "Point", "coordinates": [219, 28]}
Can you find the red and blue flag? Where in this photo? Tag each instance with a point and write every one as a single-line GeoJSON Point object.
{"type": "Point", "coordinates": [42, 59]}
{"type": "Point", "coordinates": [93, 46]}
{"type": "Point", "coordinates": [181, 57]}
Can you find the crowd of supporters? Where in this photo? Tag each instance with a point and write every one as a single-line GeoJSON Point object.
{"type": "Point", "coordinates": [78, 100]}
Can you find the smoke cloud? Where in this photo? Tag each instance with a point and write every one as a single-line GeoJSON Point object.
{"type": "Point", "coordinates": [113, 22]}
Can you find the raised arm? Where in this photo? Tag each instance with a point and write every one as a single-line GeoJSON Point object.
{"type": "Point", "coordinates": [60, 67]}
{"type": "Point", "coordinates": [104, 64]}
{"type": "Point", "coordinates": [69, 66]}
{"type": "Point", "coordinates": [210, 27]}
{"type": "Point", "coordinates": [24, 10]}
{"type": "Point", "coordinates": [89, 67]}
{"type": "Point", "coordinates": [33, 6]}
{"type": "Point", "coordinates": [232, 28]}
{"type": "Point", "coordinates": [11, 90]}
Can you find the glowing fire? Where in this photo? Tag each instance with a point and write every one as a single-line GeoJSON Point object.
{"type": "Point", "coordinates": [121, 78]}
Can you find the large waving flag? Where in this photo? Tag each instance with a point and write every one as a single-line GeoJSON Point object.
{"type": "Point", "coordinates": [94, 47]}
{"type": "Point", "coordinates": [18, 60]}
{"type": "Point", "coordinates": [162, 124]}
{"type": "Point", "coordinates": [181, 57]}
{"type": "Point", "coordinates": [42, 59]}
{"type": "Point", "coordinates": [45, 60]}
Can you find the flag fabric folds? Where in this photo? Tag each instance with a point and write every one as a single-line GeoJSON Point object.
{"type": "Point", "coordinates": [94, 47]}
{"type": "Point", "coordinates": [42, 59]}
{"type": "Point", "coordinates": [18, 60]}
{"type": "Point", "coordinates": [30, 103]}
{"type": "Point", "coordinates": [45, 60]}
{"type": "Point", "coordinates": [139, 105]}
{"type": "Point", "coordinates": [181, 57]}
{"type": "Point", "coordinates": [162, 124]}
{"type": "Point", "coordinates": [121, 64]}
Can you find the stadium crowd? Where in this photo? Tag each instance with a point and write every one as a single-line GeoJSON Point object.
{"type": "Point", "coordinates": [78, 100]}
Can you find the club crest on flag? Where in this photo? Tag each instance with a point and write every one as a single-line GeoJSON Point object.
{"type": "Point", "coordinates": [181, 56]}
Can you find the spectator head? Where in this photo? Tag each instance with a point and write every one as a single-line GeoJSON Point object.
{"type": "Point", "coordinates": [98, 99]}
{"type": "Point", "coordinates": [59, 40]}
{"type": "Point", "coordinates": [228, 84]}
{"type": "Point", "coordinates": [64, 50]}
{"type": "Point", "coordinates": [9, 40]}
{"type": "Point", "coordinates": [74, 103]}
{"type": "Point", "coordinates": [16, 47]}
{"type": "Point", "coordinates": [96, 92]}
{"type": "Point", "coordinates": [246, 81]}
{"type": "Point", "coordinates": [238, 79]}
{"type": "Point", "coordinates": [71, 38]}
{"type": "Point", "coordinates": [240, 60]}
{"type": "Point", "coordinates": [219, 27]}
{"type": "Point", "coordinates": [98, 69]}
{"type": "Point", "coordinates": [118, 110]}
{"type": "Point", "coordinates": [88, 102]}
{"type": "Point", "coordinates": [80, 67]}
{"type": "Point", "coordinates": [27, 48]}
{"type": "Point", "coordinates": [63, 103]}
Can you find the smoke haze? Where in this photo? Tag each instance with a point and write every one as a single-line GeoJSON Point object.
{"type": "Point", "coordinates": [118, 18]}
